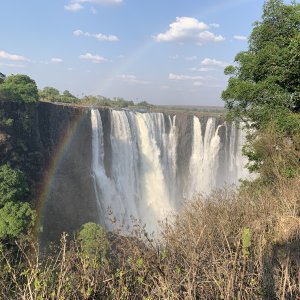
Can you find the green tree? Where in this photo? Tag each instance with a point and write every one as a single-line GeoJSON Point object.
{"type": "Point", "coordinates": [19, 88]}
{"type": "Point", "coordinates": [267, 76]}
{"type": "Point", "coordinates": [264, 90]}
{"type": "Point", "coordinates": [49, 94]}
{"type": "Point", "coordinates": [15, 219]}
{"type": "Point", "coordinates": [93, 241]}
{"type": "Point", "coordinates": [13, 185]}
{"type": "Point", "coordinates": [67, 97]}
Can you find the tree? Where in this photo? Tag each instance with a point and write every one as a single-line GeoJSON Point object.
{"type": "Point", "coordinates": [267, 76]}
{"type": "Point", "coordinates": [16, 216]}
{"type": "Point", "coordinates": [19, 88]}
{"type": "Point", "coordinates": [15, 219]}
{"type": "Point", "coordinates": [67, 97]}
{"type": "Point", "coordinates": [264, 90]}
{"type": "Point", "coordinates": [49, 94]}
{"type": "Point", "coordinates": [93, 241]}
{"type": "Point", "coordinates": [13, 185]}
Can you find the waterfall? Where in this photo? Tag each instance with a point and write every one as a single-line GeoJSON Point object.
{"type": "Point", "coordinates": [139, 182]}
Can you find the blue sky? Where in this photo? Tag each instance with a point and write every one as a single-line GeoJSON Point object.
{"type": "Point", "coordinates": [160, 51]}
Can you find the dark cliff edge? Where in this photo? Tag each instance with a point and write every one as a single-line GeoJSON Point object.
{"type": "Point", "coordinates": [51, 144]}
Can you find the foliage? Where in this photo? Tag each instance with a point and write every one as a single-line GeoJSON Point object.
{"type": "Point", "coordinates": [107, 102]}
{"type": "Point", "coordinates": [53, 95]}
{"type": "Point", "coordinates": [19, 88]}
{"type": "Point", "coordinates": [267, 76]}
{"type": "Point", "coordinates": [15, 219]}
{"type": "Point", "coordinates": [264, 90]}
{"type": "Point", "coordinates": [144, 104]}
{"type": "Point", "coordinates": [67, 97]}
{"type": "Point", "coordinates": [96, 101]}
{"type": "Point", "coordinates": [49, 94]}
{"type": "Point", "coordinates": [120, 102]}
{"type": "Point", "coordinates": [93, 241]}
{"type": "Point", "coordinates": [13, 185]}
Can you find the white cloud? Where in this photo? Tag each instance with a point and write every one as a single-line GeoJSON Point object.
{"type": "Point", "coordinates": [12, 65]}
{"type": "Point", "coordinates": [103, 37]}
{"type": "Point", "coordinates": [56, 60]}
{"type": "Point", "coordinates": [184, 77]}
{"type": "Point", "coordinates": [201, 69]}
{"type": "Point", "coordinates": [186, 29]}
{"type": "Point", "coordinates": [96, 59]}
{"type": "Point", "coordinates": [98, 36]}
{"type": "Point", "coordinates": [76, 5]}
{"type": "Point", "coordinates": [12, 57]}
{"type": "Point", "coordinates": [131, 79]}
{"type": "Point", "coordinates": [214, 62]}
{"type": "Point", "coordinates": [240, 37]}
{"type": "Point", "coordinates": [73, 7]}
{"type": "Point", "coordinates": [78, 32]}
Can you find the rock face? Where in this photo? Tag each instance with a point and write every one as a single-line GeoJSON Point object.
{"type": "Point", "coordinates": [51, 144]}
{"type": "Point", "coordinates": [81, 161]}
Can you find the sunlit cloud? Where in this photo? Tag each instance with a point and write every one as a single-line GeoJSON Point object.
{"type": "Point", "coordinates": [214, 62]}
{"type": "Point", "coordinates": [240, 37]}
{"type": "Point", "coordinates": [12, 65]}
{"type": "Point", "coordinates": [77, 5]}
{"type": "Point", "coordinates": [96, 59]}
{"type": "Point", "coordinates": [12, 57]}
{"type": "Point", "coordinates": [73, 7]}
{"type": "Point", "coordinates": [188, 30]}
{"type": "Point", "coordinates": [97, 36]}
{"type": "Point", "coordinates": [132, 79]}
{"type": "Point", "coordinates": [184, 77]}
{"type": "Point", "coordinates": [201, 69]}
{"type": "Point", "coordinates": [56, 60]}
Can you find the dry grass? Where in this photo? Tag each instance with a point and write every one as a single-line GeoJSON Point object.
{"type": "Point", "coordinates": [230, 246]}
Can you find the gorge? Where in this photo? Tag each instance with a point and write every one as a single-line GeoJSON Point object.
{"type": "Point", "coordinates": [114, 166]}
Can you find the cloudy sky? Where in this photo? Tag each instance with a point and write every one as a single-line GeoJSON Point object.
{"type": "Point", "coordinates": [160, 51]}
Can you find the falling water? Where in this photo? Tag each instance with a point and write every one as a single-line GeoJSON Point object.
{"type": "Point", "coordinates": [140, 180]}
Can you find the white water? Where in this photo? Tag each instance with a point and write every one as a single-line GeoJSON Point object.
{"type": "Point", "coordinates": [143, 170]}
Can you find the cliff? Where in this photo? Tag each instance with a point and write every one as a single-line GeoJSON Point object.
{"type": "Point", "coordinates": [142, 168]}
{"type": "Point", "coordinates": [40, 139]}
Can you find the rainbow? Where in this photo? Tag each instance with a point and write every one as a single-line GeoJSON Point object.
{"type": "Point", "coordinates": [55, 160]}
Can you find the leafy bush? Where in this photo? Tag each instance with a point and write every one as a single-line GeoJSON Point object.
{"type": "Point", "coordinates": [15, 219]}
{"type": "Point", "coordinates": [19, 88]}
{"type": "Point", "coordinates": [93, 241]}
{"type": "Point", "coordinates": [13, 185]}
